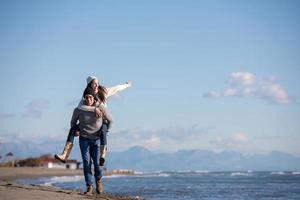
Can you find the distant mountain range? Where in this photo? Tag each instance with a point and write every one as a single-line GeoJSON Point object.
{"type": "Point", "coordinates": [141, 159]}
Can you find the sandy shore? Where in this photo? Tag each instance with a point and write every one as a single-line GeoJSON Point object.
{"type": "Point", "coordinates": [9, 189]}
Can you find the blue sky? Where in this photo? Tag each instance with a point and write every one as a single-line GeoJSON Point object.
{"type": "Point", "coordinates": [217, 75]}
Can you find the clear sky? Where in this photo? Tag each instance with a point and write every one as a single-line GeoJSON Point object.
{"type": "Point", "coordinates": [217, 75]}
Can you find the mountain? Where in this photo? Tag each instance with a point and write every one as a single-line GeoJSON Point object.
{"type": "Point", "coordinates": [141, 159]}
{"type": "Point", "coordinates": [26, 148]}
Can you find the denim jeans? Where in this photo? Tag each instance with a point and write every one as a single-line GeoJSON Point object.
{"type": "Point", "coordinates": [71, 134]}
{"type": "Point", "coordinates": [90, 153]}
{"type": "Point", "coordinates": [103, 133]}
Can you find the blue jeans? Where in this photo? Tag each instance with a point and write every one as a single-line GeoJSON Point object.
{"type": "Point", "coordinates": [103, 133]}
{"type": "Point", "coordinates": [71, 134]}
{"type": "Point", "coordinates": [90, 151]}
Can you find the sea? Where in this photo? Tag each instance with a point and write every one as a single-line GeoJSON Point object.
{"type": "Point", "coordinates": [192, 185]}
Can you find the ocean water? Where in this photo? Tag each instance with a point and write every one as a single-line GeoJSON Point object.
{"type": "Point", "coordinates": [192, 185]}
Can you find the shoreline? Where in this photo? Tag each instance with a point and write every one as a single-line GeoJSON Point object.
{"type": "Point", "coordinates": [10, 189]}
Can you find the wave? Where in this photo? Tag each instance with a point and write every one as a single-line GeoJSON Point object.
{"type": "Point", "coordinates": [138, 173]}
{"type": "Point", "coordinates": [155, 174]}
{"type": "Point", "coordinates": [241, 174]}
{"type": "Point", "coordinates": [295, 173]}
{"type": "Point", "coordinates": [183, 171]}
{"type": "Point", "coordinates": [277, 173]}
{"type": "Point", "coordinates": [163, 175]}
{"type": "Point", "coordinates": [116, 176]}
{"type": "Point", "coordinates": [61, 179]}
{"type": "Point", "coordinates": [201, 172]}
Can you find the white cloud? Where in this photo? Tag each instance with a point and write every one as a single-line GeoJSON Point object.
{"type": "Point", "coordinates": [152, 142]}
{"type": "Point", "coordinates": [167, 139]}
{"type": "Point", "coordinates": [239, 137]}
{"type": "Point", "coordinates": [35, 108]}
{"type": "Point", "coordinates": [274, 93]}
{"type": "Point", "coordinates": [237, 141]}
{"type": "Point", "coordinates": [230, 92]}
{"type": "Point", "coordinates": [245, 84]}
{"type": "Point", "coordinates": [242, 78]}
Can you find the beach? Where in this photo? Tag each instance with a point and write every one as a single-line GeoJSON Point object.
{"type": "Point", "coordinates": [10, 189]}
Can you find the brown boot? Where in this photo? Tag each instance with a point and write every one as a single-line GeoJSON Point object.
{"type": "Point", "coordinates": [89, 190]}
{"type": "Point", "coordinates": [103, 150]}
{"type": "Point", "coordinates": [66, 152]}
{"type": "Point", "coordinates": [99, 188]}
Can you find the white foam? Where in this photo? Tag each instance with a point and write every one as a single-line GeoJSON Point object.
{"type": "Point", "coordinates": [163, 175]}
{"type": "Point", "coordinates": [62, 179]}
{"type": "Point", "coordinates": [115, 176]}
{"type": "Point", "coordinates": [277, 173]}
{"type": "Point", "coordinates": [138, 173]}
{"type": "Point", "coordinates": [240, 174]}
{"type": "Point", "coordinates": [201, 172]}
{"type": "Point", "coordinates": [296, 173]}
{"type": "Point", "coordinates": [184, 171]}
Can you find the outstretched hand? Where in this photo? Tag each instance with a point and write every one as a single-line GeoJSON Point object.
{"type": "Point", "coordinates": [129, 83]}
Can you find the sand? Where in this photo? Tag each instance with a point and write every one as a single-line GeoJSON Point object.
{"type": "Point", "coordinates": [9, 189]}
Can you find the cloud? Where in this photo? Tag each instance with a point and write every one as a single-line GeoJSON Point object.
{"type": "Point", "coordinates": [247, 85]}
{"type": "Point", "coordinates": [6, 115]}
{"type": "Point", "coordinates": [13, 136]}
{"type": "Point", "coordinates": [35, 108]}
{"type": "Point", "coordinates": [239, 137]}
{"type": "Point", "coordinates": [168, 139]}
{"type": "Point", "coordinates": [242, 78]}
{"type": "Point", "coordinates": [237, 140]}
{"type": "Point", "coordinates": [150, 142]}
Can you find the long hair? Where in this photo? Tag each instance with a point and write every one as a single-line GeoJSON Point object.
{"type": "Point", "coordinates": [102, 92]}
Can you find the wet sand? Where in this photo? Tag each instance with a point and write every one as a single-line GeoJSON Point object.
{"type": "Point", "coordinates": [9, 189]}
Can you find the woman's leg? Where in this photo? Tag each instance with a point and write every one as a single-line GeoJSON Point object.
{"type": "Point", "coordinates": [103, 140]}
{"type": "Point", "coordinates": [71, 134]}
{"type": "Point", "coordinates": [85, 145]}
{"type": "Point", "coordinates": [68, 146]}
{"type": "Point", "coordinates": [94, 152]}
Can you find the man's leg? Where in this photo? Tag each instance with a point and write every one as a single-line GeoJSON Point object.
{"type": "Point", "coordinates": [84, 144]}
{"type": "Point", "coordinates": [94, 152]}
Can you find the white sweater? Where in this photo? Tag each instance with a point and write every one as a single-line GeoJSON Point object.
{"type": "Point", "coordinates": [110, 91]}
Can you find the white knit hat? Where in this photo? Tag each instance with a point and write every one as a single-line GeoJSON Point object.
{"type": "Point", "coordinates": [90, 78]}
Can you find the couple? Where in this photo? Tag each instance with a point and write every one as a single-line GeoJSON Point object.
{"type": "Point", "coordinates": [91, 121]}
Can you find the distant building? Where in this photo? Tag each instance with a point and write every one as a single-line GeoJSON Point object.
{"type": "Point", "coordinates": [10, 154]}
{"type": "Point", "coordinates": [10, 158]}
{"type": "Point", "coordinates": [54, 163]}
{"type": "Point", "coordinates": [122, 171]}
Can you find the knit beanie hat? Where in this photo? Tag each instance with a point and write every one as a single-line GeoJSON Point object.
{"type": "Point", "coordinates": [88, 91]}
{"type": "Point", "coordinates": [90, 78]}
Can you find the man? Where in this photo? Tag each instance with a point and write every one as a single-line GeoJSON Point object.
{"type": "Point", "coordinates": [89, 140]}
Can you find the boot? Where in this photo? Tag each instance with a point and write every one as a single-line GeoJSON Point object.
{"type": "Point", "coordinates": [103, 150]}
{"type": "Point", "coordinates": [89, 190]}
{"type": "Point", "coordinates": [99, 186]}
{"type": "Point", "coordinates": [66, 152]}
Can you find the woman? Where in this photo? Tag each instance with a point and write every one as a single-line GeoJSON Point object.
{"type": "Point", "coordinates": [89, 140]}
{"type": "Point", "coordinates": [101, 100]}
{"type": "Point", "coordinates": [102, 94]}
